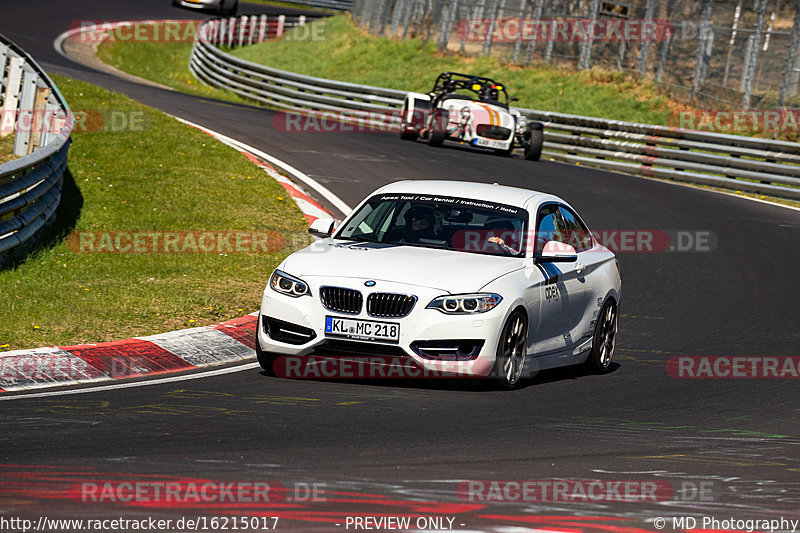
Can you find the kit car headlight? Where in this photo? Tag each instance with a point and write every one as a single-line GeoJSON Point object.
{"type": "Point", "coordinates": [465, 304]}
{"type": "Point", "coordinates": [289, 285]}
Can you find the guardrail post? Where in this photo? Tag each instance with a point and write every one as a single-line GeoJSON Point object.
{"type": "Point", "coordinates": [281, 26]}
{"type": "Point", "coordinates": [25, 115]}
{"type": "Point", "coordinates": [39, 101]}
{"type": "Point", "coordinates": [11, 97]}
{"type": "Point", "coordinates": [262, 28]}
{"type": "Point", "coordinates": [242, 27]}
{"type": "Point", "coordinates": [251, 29]}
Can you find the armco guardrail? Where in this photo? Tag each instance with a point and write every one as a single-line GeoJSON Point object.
{"type": "Point", "coordinates": [337, 5]}
{"type": "Point", "coordinates": [728, 161]}
{"type": "Point", "coordinates": [31, 108]}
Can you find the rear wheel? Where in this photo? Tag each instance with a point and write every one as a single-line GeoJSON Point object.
{"type": "Point", "coordinates": [511, 351]}
{"type": "Point", "coordinates": [605, 339]}
{"type": "Point", "coordinates": [533, 149]}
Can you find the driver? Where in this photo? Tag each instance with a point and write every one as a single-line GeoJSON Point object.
{"type": "Point", "coordinates": [420, 222]}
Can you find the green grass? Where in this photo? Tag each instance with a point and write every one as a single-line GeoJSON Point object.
{"type": "Point", "coordinates": [168, 177]}
{"type": "Point", "coordinates": [165, 62]}
{"type": "Point", "coordinates": [347, 53]}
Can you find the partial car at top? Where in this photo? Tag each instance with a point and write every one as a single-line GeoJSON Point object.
{"type": "Point", "coordinates": [221, 7]}
{"type": "Point", "coordinates": [499, 281]}
{"type": "Point", "coordinates": [473, 110]}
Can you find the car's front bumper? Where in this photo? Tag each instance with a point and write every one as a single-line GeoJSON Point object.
{"type": "Point", "coordinates": [423, 333]}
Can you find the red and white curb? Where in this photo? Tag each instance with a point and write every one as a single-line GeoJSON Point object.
{"type": "Point", "coordinates": [175, 351]}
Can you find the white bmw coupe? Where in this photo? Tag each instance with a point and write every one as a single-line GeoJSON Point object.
{"type": "Point", "coordinates": [456, 278]}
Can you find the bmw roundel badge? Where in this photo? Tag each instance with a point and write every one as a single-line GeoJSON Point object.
{"type": "Point", "coordinates": [369, 283]}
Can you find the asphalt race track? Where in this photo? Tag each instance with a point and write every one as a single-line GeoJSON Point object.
{"type": "Point", "coordinates": [392, 448]}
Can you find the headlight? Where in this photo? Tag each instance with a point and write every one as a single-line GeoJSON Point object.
{"type": "Point", "coordinates": [465, 304]}
{"type": "Point", "coordinates": [289, 285]}
{"type": "Point", "coordinates": [522, 121]}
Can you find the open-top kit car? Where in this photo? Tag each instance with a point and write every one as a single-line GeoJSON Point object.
{"type": "Point", "coordinates": [470, 109]}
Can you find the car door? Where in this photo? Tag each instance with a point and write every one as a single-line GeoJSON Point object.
{"type": "Point", "coordinates": [562, 294]}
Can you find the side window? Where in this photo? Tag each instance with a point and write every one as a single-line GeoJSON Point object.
{"type": "Point", "coordinates": [576, 233]}
{"type": "Point", "coordinates": [549, 226]}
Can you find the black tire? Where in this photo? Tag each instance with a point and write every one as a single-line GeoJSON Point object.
{"type": "Point", "coordinates": [533, 150]}
{"type": "Point", "coordinates": [511, 351]}
{"type": "Point", "coordinates": [265, 359]}
{"type": "Point", "coordinates": [604, 340]}
{"type": "Point", "coordinates": [408, 135]}
{"type": "Point", "coordinates": [231, 11]}
{"type": "Point", "coordinates": [438, 129]}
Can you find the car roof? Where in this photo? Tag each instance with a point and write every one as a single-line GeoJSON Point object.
{"type": "Point", "coordinates": [500, 194]}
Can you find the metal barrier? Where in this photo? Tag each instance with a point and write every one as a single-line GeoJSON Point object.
{"type": "Point", "coordinates": [32, 108]}
{"type": "Point", "coordinates": [337, 5]}
{"type": "Point", "coordinates": [728, 161]}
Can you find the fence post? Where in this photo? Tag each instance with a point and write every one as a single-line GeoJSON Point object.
{"type": "Point", "coordinates": [662, 61]}
{"type": "Point", "coordinates": [262, 28]}
{"type": "Point", "coordinates": [37, 125]}
{"type": "Point", "coordinates": [736, 14]}
{"type": "Point", "coordinates": [645, 46]}
{"type": "Point", "coordinates": [281, 26]}
{"type": "Point", "coordinates": [538, 9]}
{"type": "Point", "coordinates": [761, 9]}
{"type": "Point", "coordinates": [585, 58]}
{"type": "Point", "coordinates": [489, 37]}
{"type": "Point", "coordinates": [11, 97]}
{"type": "Point", "coordinates": [791, 53]}
{"type": "Point", "coordinates": [703, 53]}
{"type": "Point", "coordinates": [242, 26]}
{"type": "Point", "coordinates": [25, 115]}
{"type": "Point", "coordinates": [523, 11]}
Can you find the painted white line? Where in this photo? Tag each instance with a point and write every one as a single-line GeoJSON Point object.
{"type": "Point", "coordinates": [171, 379]}
{"type": "Point", "coordinates": [308, 180]}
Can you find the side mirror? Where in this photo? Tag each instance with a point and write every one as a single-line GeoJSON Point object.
{"type": "Point", "coordinates": [557, 252]}
{"type": "Point", "coordinates": [322, 227]}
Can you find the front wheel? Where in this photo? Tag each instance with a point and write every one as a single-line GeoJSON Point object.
{"type": "Point", "coordinates": [437, 129]}
{"type": "Point", "coordinates": [511, 351]}
{"type": "Point", "coordinates": [605, 339]}
{"type": "Point", "coordinates": [533, 149]}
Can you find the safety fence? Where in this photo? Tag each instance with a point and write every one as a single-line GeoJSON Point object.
{"type": "Point", "coordinates": [34, 111]}
{"type": "Point", "coordinates": [728, 161]}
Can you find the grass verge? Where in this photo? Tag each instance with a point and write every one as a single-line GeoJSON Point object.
{"type": "Point", "coordinates": [160, 176]}
{"type": "Point", "coordinates": [162, 61]}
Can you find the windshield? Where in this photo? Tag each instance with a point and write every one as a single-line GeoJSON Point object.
{"type": "Point", "coordinates": [458, 224]}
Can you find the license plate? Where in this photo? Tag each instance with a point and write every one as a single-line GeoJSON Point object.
{"type": "Point", "coordinates": [489, 143]}
{"type": "Point", "coordinates": [365, 330]}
